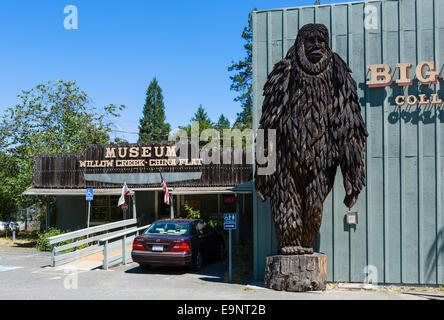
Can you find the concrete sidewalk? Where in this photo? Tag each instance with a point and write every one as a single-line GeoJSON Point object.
{"type": "Point", "coordinates": [26, 274]}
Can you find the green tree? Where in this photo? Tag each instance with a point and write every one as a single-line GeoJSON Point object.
{"type": "Point", "coordinates": [317, 3]}
{"type": "Point", "coordinates": [242, 80]}
{"type": "Point", "coordinates": [201, 117]}
{"type": "Point", "coordinates": [12, 186]}
{"type": "Point", "coordinates": [118, 140]}
{"type": "Point", "coordinates": [222, 123]}
{"type": "Point", "coordinates": [52, 118]}
{"type": "Point", "coordinates": [152, 124]}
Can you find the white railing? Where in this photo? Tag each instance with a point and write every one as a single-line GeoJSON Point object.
{"type": "Point", "coordinates": [112, 242]}
{"type": "Point", "coordinates": [91, 238]}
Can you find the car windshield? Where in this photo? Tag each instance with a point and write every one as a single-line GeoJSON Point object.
{"type": "Point", "coordinates": [170, 228]}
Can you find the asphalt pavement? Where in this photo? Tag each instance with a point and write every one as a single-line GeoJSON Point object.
{"type": "Point", "coordinates": [26, 274]}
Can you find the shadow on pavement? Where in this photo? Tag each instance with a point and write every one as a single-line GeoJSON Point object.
{"type": "Point", "coordinates": [164, 270]}
{"type": "Point", "coordinates": [29, 245]}
{"type": "Point", "coordinates": [426, 295]}
{"type": "Point", "coordinates": [213, 272]}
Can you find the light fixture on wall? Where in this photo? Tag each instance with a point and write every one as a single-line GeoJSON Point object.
{"type": "Point", "coordinates": [352, 217]}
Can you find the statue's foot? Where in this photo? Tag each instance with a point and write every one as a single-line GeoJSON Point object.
{"type": "Point", "coordinates": [294, 250]}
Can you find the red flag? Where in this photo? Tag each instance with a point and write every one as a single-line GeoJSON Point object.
{"type": "Point", "coordinates": [125, 192]}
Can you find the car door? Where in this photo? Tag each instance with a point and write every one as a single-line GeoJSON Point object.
{"type": "Point", "coordinates": [202, 238]}
{"type": "Point", "coordinates": [211, 241]}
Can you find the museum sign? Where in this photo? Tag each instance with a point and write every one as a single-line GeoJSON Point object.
{"type": "Point", "coordinates": [139, 156]}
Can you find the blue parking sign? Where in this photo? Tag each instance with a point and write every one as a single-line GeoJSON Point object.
{"type": "Point", "coordinates": [230, 221]}
{"type": "Point", "coordinates": [89, 194]}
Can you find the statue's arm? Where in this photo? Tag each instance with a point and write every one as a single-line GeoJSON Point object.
{"type": "Point", "coordinates": [352, 133]}
{"type": "Point", "coordinates": [276, 96]}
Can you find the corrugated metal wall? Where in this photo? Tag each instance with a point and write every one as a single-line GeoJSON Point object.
{"type": "Point", "coordinates": [401, 216]}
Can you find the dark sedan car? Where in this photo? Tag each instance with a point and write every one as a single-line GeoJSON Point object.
{"type": "Point", "coordinates": [178, 242]}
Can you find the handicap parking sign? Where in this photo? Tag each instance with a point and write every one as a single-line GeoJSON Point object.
{"type": "Point", "coordinates": [230, 221]}
{"type": "Point", "coordinates": [89, 194]}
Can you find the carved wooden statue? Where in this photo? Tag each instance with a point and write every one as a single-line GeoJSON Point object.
{"type": "Point", "coordinates": [312, 102]}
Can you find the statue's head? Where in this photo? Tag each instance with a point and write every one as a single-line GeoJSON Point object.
{"type": "Point", "coordinates": [312, 45]}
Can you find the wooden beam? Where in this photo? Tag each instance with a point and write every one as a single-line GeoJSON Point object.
{"type": "Point", "coordinates": [156, 205]}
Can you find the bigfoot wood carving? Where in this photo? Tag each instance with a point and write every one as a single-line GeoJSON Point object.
{"type": "Point", "coordinates": [311, 101]}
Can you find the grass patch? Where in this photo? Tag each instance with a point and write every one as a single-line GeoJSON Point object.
{"type": "Point", "coordinates": [242, 261]}
{"type": "Point", "coordinates": [24, 239]}
{"type": "Point", "coordinates": [333, 285]}
{"type": "Point", "coordinates": [247, 289]}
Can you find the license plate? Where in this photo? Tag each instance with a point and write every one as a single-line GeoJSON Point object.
{"type": "Point", "coordinates": [157, 248]}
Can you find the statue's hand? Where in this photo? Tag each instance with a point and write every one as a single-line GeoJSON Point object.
{"type": "Point", "coordinates": [350, 199]}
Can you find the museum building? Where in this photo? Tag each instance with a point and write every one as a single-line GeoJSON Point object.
{"type": "Point", "coordinates": [213, 189]}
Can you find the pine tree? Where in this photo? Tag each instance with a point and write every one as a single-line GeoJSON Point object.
{"type": "Point", "coordinates": [242, 81]}
{"type": "Point", "coordinates": [153, 127]}
{"type": "Point", "coordinates": [222, 123]}
{"type": "Point", "coordinates": [202, 118]}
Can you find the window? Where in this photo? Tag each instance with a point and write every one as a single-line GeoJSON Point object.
{"type": "Point", "coordinates": [208, 231]}
{"type": "Point", "coordinates": [200, 227]}
{"type": "Point", "coordinates": [169, 228]}
{"type": "Point", "coordinates": [104, 210]}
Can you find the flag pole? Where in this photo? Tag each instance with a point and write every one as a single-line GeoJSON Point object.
{"type": "Point", "coordinates": [172, 206]}
{"type": "Point", "coordinates": [170, 196]}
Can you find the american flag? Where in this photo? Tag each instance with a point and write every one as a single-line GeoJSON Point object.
{"type": "Point", "coordinates": [166, 196]}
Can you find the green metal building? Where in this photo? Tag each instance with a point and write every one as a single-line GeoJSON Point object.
{"type": "Point", "coordinates": [401, 216]}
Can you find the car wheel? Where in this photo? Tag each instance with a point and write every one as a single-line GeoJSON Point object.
{"type": "Point", "coordinates": [221, 252]}
{"type": "Point", "coordinates": [197, 261]}
{"type": "Point", "coordinates": [144, 266]}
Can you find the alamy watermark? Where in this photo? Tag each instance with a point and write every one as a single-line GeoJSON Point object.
{"type": "Point", "coordinates": [71, 21]}
{"type": "Point", "coordinates": [71, 280]}
{"type": "Point", "coordinates": [371, 275]}
{"type": "Point", "coordinates": [371, 20]}
{"type": "Point", "coordinates": [232, 147]}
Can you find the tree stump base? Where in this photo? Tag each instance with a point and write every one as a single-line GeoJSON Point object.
{"type": "Point", "coordinates": [297, 273]}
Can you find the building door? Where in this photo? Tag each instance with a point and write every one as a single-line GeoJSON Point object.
{"type": "Point", "coordinates": [164, 209]}
{"type": "Point", "coordinates": [104, 210]}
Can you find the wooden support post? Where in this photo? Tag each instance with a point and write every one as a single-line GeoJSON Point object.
{"type": "Point", "coordinates": [47, 215]}
{"type": "Point", "coordinates": [53, 255]}
{"type": "Point", "coordinates": [156, 205]}
{"type": "Point", "coordinates": [172, 206]}
{"type": "Point", "coordinates": [124, 250]}
{"type": "Point", "coordinates": [134, 206]}
{"type": "Point", "coordinates": [105, 256]}
{"type": "Point", "coordinates": [178, 205]}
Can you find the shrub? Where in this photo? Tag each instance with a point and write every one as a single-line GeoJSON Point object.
{"type": "Point", "coordinates": [190, 213]}
{"type": "Point", "coordinates": [43, 243]}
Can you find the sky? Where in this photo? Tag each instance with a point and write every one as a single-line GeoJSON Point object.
{"type": "Point", "coordinates": [120, 46]}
